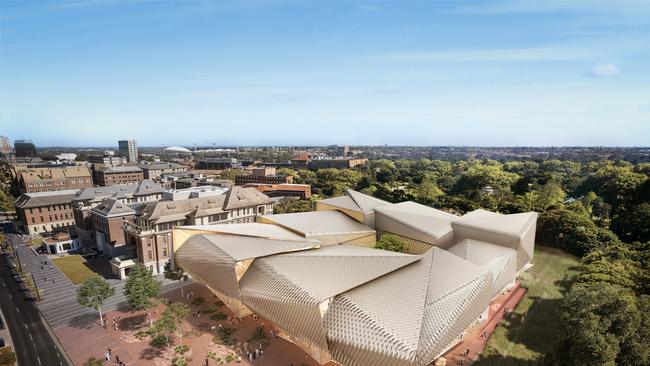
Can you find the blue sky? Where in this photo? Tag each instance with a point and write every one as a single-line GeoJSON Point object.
{"type": "Point", "coordinates": [90, 72]}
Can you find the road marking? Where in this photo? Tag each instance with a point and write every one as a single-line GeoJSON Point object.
{"type": "Point", "coordinates": [39, 359]}
{"type": "Point", "coordinates": [30, 337]}
{"type": "Point", "coordinates": [26, 326]}
{"type": "Point", "coordinates": [18, 310]}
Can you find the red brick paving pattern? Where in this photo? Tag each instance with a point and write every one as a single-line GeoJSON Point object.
{"type": "Point", "coordinates": [91, 340]}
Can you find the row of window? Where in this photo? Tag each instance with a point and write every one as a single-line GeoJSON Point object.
{"type": "Point", "coordinates": [56, 217]}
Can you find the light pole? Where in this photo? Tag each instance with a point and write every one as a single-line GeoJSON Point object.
{"type": "Point", "coordinates": [38, 294]}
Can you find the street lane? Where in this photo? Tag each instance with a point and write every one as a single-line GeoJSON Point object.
{"type": "Point", "coordinates": [32, 341]}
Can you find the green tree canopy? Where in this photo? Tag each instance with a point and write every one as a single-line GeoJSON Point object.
{"type": "Point", "coordinates": [140, 288]}
{"type": "Point", "coordinates": [390, 242]}
{"type": "Point", "coordinates": [93, 292]}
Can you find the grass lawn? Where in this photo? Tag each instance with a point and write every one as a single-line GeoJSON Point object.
{"type": "Point", "coordinates": [74, 267]}
{"type": "Point", "coordinates": [532, 329]}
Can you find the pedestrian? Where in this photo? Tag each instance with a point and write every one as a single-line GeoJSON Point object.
{"type": "Point", "coordinates": [262, 352]}
{"type": "Point", "coordinates": [107, 356]}
{"type": "Point", "coordinates": [44, 279]}
{"type": "Point", "coordinates": [51, 266]}
{"type": "Point", "coordinates": [117, 358]}
{"type": "Point", "coordinates": [110, 352]}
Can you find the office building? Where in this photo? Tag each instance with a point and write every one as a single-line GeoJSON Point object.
{"type": "Point", "coordinates": [45, 212]}
{"type": "Point", "coordinates": [156, 170]}
{"type": "Point", "coordinates": [110, 176]}
{"type": "Point", "coordinates": [263, 175]}
{"type": "Point", "coordinates": [24, 148]}
{"type": "Point", "coordinates": [302, 191]}
{"type": "Point", "coordinates": [53, 179]}
{"type": "Point", "coordinates": [128, 149]}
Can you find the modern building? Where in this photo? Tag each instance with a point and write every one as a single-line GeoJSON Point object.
{"type": "Point", "coordinates": [61, 243]}
{"type": "Point", "coordinates": [263, 175]}
{"type": "Point", "coordinates": [5, 146]}
{"type": "Point", "coordinates": [150, 231]}
{"type": "Point", "coordinates": [24, 148]}
{"type": "Point", "coordinates": [87, 199]}
{"type": "Point", "coordinates": [45, 212]}
{"type": "Point", "coordinates": [110, 176]}
{"type": "Point", "coordinates": [156, 170]}
{"type": "Point", "coordinates": [106, 160]}
{"type": "Point", "coordinates": [53, 179]}
{"type": "Point", "coordinates": [218, 164]}
{"type": "Point", "coordinates": [317, 279]}
{"type": "Point", "coordinates": [128, 149]}
{"type": "Point", "coordinates": [344, 163]}
{"type": "Point", "coordinates": [302, 191]}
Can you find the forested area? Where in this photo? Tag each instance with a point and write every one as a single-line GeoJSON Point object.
{"type": "Point", "coordinates": [598, 210]}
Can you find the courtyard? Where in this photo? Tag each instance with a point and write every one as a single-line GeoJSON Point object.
{"type": "Point", "coordinates": [214, 337]}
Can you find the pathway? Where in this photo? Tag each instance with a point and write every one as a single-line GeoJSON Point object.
{"type": "Point", "coordinates": [59, 296]}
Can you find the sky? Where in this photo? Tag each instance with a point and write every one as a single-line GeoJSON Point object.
{"type": "Point", "coordinates": [276, 72]}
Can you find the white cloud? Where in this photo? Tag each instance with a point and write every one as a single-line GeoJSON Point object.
{"type": "Point", "coordinates": [605, 70]}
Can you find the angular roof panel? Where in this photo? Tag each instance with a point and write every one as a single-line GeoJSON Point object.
{"type": "Point", "coordinates": [250, 229]}
{"type": "Point", "coordinates": [427, 220]}
{"type": "Point", "coordinates": [512, 225]}
{"type": "Point", "coordinates": [345, 202]}
{"type": "Point", "coordinates": [366, 203]}
{"type": "Point", "coordinates": [319, 223]}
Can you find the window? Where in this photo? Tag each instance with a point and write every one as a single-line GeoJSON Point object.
{"type": "Point", "coordinates": [149, 254]}
{"type": "Point", "coordinates": [164, 252]}
{"type": "Point", "coordinates": [33, 220]}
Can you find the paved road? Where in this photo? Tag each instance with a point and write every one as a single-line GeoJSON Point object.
{"type": "Point", "coordinates": [32, 341]}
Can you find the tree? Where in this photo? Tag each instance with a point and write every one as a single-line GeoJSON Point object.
{"type": "Point", "coordinates": [163, 327]}
{"type": "Point", "coordinates": [93, 292]}
{"type": "Point", "coordinates": [604, 324]}
{"type": "Point", "coordinates": [572, 232]}
{"type": "Point", "coordinates": [390, 242]}
{"type": "Point", "coordinates": [176, 274]}
{"type": "Point", "coordinates": [292, 204]}
{"type": "Point", "coordinates": [178, 312]}
{"type": "Point", "coordinates": [633, 224]}
{"type": "Point", "coordinates": [550, 194]}
{"type": "Point", "coordinates": [140, 287]}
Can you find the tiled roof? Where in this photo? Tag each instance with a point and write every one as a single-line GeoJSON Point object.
{"type": "Point", "coordinates": [121, 169]}
{"type": "Point", "coordinates": [42, 199]}
{"type": "Point", "coordinates": [141, 188]}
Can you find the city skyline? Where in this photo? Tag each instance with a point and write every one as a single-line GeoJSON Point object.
{"type": "Point", "coordinates": [506, 73]}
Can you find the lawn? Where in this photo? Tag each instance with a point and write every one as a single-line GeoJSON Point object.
{"type": "Point", "coordinates": [74, 267]}
{"type": "Point", "coordinates": [533, 327]}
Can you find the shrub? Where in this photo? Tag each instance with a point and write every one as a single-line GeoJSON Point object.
{"type": "Point", "coordinates": [179, 361]}
{"type": "Point", "coordinates": [182, 349]}
{"type": "Point", "coordinates": [159, 342]}
{"type": "Point", "coordinates": [208, 310]}
{"type": "Point", "coordinates": [198, 301]}
{"type": "Point", "coordinates": [91, 362]}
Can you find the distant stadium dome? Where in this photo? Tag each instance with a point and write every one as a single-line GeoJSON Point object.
{"type": "Point", "coordinates": [177, 149]}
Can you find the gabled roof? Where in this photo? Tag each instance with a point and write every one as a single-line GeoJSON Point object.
{"type": "Point", "coordinates": [42, 199]}
{"type": "Point", "coordinates": [238, 197]}
{"type": "Point", "coordinates": [144, 187]}
{"type": "Point", "coordinates": [319, 223]}
{"type": "Point", "coordinates": [113, 207]}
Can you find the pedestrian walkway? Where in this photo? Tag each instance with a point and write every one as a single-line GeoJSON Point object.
{"type": "Point", "coordinates": [58, 302]}
{"type": "Point", "coordinates": [470, 348]}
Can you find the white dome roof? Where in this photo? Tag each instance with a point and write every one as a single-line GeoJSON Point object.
{"type": "Point", "coordinates": [178, 149]}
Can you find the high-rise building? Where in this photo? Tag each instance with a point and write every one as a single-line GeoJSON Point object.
{"type": "Point", "coordinates": [24, 148]}
{"type": "Point", "coordinates": [129, 149]}
{"type": "Point", "coordinates": [5, 146]}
